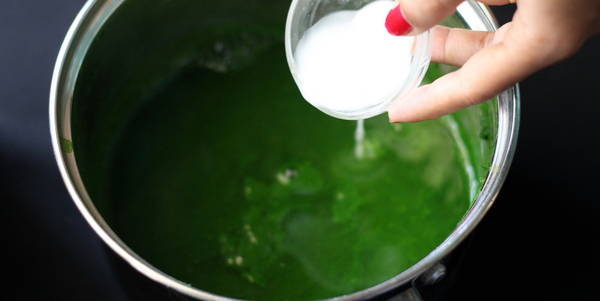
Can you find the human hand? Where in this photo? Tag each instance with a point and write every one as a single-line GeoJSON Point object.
{"type": "Point", "coordinates": [542, 32]}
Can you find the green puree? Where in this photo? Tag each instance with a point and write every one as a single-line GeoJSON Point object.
{"type": "Point", "coordinates": [198, 150]}
{"type": "Point", "coordinates": [241, 188]}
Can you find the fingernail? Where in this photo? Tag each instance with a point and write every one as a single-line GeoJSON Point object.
{"type": "Point", "coordinates": [396, 24]}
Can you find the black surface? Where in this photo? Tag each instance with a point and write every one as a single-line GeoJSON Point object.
{"type": "Point", "coordinates": [52, 253]}
{"type": "Point", "coordinates": [540, 239]}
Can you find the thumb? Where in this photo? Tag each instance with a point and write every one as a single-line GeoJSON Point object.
{"type": "Point", "coordinates": [483, 76]}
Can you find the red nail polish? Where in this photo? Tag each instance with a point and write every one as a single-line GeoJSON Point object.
{"type": "Point", "coordinates": [396, 24]}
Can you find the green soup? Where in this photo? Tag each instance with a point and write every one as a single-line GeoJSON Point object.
{"type": "Point", "coordinates": [199, 151]}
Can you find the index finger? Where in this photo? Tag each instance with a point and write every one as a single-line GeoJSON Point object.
{"type": "Point", "coordinates": [424, 14]}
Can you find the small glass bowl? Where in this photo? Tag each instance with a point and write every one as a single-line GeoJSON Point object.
{"type": "Point", "coordinates": [305, 13]}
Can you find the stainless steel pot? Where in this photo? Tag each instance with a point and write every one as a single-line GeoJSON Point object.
{"type": "Point", "coordinates": [72, 53]}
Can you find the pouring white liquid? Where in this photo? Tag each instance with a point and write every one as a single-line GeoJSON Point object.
{"type": "Point", "coordinates": [359, 139]}
{"type": "Point", "coordinates": [348, 62]}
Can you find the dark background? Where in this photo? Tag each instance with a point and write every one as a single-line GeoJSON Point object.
{"type": "Point", "coordinates": [539, 240]}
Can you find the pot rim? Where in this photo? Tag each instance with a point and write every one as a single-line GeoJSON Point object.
{"type": "Point", "coordinates": [72, 52]}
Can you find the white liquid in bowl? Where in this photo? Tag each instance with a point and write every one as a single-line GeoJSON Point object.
{"type": "Point", "coordinates": [348, 62]}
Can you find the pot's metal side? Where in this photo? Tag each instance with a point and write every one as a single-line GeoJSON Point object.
{"type": "Point", "coordinates": [77, 41]}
